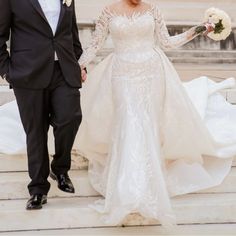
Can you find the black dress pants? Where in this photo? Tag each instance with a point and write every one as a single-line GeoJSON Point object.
{"type": "Point", "coordinates": [59, 106]}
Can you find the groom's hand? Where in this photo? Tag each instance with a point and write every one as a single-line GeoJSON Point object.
{"type": "Point", "coordinates": [83, 74]}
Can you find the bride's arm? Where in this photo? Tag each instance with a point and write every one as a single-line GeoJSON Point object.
{"type": "Point", "coordinates": [169, 42]}
{"type": "Point", "coordinates": [98, 39]}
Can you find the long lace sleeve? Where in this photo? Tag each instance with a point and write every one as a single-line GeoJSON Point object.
{"type": "Point", "coordinates": [164, 39]}
{"type": "Point", "coordinates": [99, 36]}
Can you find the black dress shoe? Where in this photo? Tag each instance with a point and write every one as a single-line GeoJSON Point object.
{"type": "Point", "coordinates": [63, 182]}
{"type": "Point", "coordinates": [36, 202]}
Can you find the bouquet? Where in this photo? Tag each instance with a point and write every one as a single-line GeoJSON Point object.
{"type": "Point", "coordinates": [218, 22]}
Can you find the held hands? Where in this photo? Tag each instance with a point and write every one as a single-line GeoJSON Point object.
{"type": "Point", "coordinates": [4, 77]}
{"type": "Point", "coordinates": [83, 74]}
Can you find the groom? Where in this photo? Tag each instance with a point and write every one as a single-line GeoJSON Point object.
{"type": "Point", "coordinates": [43, 71]}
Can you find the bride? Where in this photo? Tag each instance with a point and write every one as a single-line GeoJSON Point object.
{"type": "Point", "coordinates": [147, 136]}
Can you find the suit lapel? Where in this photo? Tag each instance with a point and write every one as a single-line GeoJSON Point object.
{"type": "Point", "coordinates": [62, 13]}
{"type": "Point", "coordinates": [38, 8]}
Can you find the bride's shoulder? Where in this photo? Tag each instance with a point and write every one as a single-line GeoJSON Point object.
{"type": "Point", "coordinates": [155, 10]}
{"type": "Point", "coordinates": [107, 11]}
{"type": "Point", "coordinates": [152, 7]}
{"type": "Point", "coordinates": [147, 5]}
{"type": "Point", "coordinates": [112, 7]}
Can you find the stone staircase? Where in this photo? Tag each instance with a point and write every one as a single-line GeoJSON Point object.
{"type": "Point", "coordinates": [212, 211]}
{"type": "Point", "coordinates": [202, 57]}
{"type": "Point", "coordinates": [65, 212]}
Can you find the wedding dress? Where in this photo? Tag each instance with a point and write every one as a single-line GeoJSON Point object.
{"type": "Point", "coordinates": [147, 136]}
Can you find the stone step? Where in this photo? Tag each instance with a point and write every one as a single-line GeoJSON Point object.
{"type": "Point", "coordinates": [65, 213]}
{"type": "Point", "coordinates": [200, 229]}
{"type": "Point", "coordinates": [14, 185]}
{"type": "Point", "coordinates": [16, 163]}
{"type": "Point", "coordinates": [190, 56]}
{"type": "Point", "coordinates": [216, 72]}
{"type": "Point", "coordinates": [202, 60]}
{"type": "Point", "coordinates": [182, 53]}
{"type": "Point", "coordinates": [228, 185]}
{"type": "Point", "coordinates": [13, 163]}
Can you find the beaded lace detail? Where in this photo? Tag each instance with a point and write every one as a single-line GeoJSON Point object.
{"type": "Point", "coordinates": [163, 37]}
{"type": "Point", "coordinates": [161, 34]}
{"type": "Point", "coordinates": [99, 37]}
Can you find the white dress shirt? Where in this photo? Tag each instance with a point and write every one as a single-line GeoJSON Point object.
{"type": "Point", "coordinates": [51, 10]}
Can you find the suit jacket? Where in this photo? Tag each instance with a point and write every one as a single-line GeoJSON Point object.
{"type": "Point", "coordinates": [31, 59]}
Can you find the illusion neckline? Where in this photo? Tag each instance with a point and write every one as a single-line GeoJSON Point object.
{"type": "Point", "coordinates": [133, 16]}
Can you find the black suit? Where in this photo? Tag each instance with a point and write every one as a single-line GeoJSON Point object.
{"type": "Point", "coordinates": [47, 92]}
{"type": "Point", "coordinates": [33, 44]}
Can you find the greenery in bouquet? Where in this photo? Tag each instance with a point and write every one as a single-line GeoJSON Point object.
{"type": "Point", "coordinates": [218, 21]}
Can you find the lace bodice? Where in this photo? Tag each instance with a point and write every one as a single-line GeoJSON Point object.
{"type": "Point", "coordinates": [137, 33]}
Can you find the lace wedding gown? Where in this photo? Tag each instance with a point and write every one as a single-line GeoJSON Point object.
{"type": "Point", "coordinates": [147, 136]}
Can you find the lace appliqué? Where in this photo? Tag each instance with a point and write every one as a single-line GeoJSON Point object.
{"type": "Point", "coordinates": [98, 39]}
{"type": "Point", "coordinates": [163, 37]}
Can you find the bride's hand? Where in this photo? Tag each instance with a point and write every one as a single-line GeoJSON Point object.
{"type": "Point", "coordinates": [209, 28]}
{"type": "Point", "coordinates": [83, 74]}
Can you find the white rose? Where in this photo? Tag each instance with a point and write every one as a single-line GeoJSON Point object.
{"type": "Point", "coordinates": [211, 11]}
{"type": "Point", "coordinates": [214, 19]}
{"type": "Point", "coordinates": [214, 15]}
{"type": "Point", "coordinates": [67, 2]}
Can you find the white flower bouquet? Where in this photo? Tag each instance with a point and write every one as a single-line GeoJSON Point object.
{"type": "Point", "coordinates": [218, 24]}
